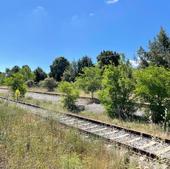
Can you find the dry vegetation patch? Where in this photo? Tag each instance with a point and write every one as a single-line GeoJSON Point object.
{"type": "Point", "coordinates": [30, 142]}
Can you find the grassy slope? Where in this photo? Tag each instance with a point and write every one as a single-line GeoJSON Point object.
{"type": "Point", "coordinates": [30, 143]}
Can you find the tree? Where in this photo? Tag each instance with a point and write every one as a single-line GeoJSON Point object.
{"type": "Point", "coordinates": [39, 75]}
{"type": "Point", "coordinates": [10, 72]}
{"type": "Point", "coordinates": [153, 87]}
{"type": "Point", "coordinates": [143, 57]}
{"type": "Point", "coordinates": [15, 69]}
{"type": "Point", "coordinates": [117, 90]}
{"type": "Point", "coordinates": [50, 84]}
{"type": "Point", "coordinates": [84, 62]}
{"type": "Point", "coordinates": [2, 78]}
{"type": "Point", "coordinates": [158, 53]}
{"type": "Point", "coordinates": [90, 80]}
{"type": "Point", "coordinates": [7, 72]}
{"type": "Point", "coordinates": [27, 73]}
{"type": "Point", "coordinates": [107, 58]}
{"type": "Point", "coordinates": [71, 72]}
{"type": "Point", "coordinates": [58, 67]}
{"type": "Point", "coordinates": [17, 84]}
{"type": "Point", "coordinates": [71, 95]}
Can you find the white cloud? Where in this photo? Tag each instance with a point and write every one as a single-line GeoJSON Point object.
{"type": "Point", "coordinates": [91, 14]}
{"type": "Point", "coordinates": [111, 1]}
{"type": "Point", "coordinates": [135, 63]}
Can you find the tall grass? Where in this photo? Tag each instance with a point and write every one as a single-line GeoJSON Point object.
{"type": "Point", "coordinates": [31, 143]}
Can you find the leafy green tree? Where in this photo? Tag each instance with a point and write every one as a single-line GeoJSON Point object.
{"type": "Point", "coordinates": [153, 87]}
{"type": "Point", "coordinates": [15, 69]}
{"type": "Point", "coordinates": [17, 83]}
{"type": "Point", "coordinates": [10, 72]}
{"type": "Point", "coordinates": [39, 75]}
{"type": "Point", "coordinates": [107, 58]}
{"type": "Point", "coordinates": [2, 78]}
{"type": "Point", "coordinates": [71, 72]}
{"type": "Point", "coordinates": [84, 62]}
{"type": "Point", "coordinates": [50, 84]}
{"type": "Point", "coordinates": [58, 67]}
{"type": "Point", "coordinates": [158, 53]}
{"type": "Point", "coordinates": [90, 80]}
{"type": "Point", "coordinates": [117, 91]}
{"type": "Point", "coordinates": [143, 56]}
{"type": "Point", "coordinates": [27, 73]}
{"type": "Point", "coordinates": [7, 72]}
{"type": "Point", "coordinates": [71, 95]}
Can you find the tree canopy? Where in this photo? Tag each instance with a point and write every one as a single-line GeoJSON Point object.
{"type": "Point", "coordinates": [158, 53]}
{"type": "Point", "coordinates": [39, 75]}
{"type": "Point", "coordinates": [84, 62]}
{"type": "Point", "coordinates": [117, 90]}
{"type": "Point", "coordinates": [71, 72]}
{"type": "Point", "coordinates": [58, 67]}
{"type": "Point", "coordinates": [107, 58]}
{"type": "Point", "coordinates": [90, 80]}
{"type": "Point", "coordinates": [153, 86]}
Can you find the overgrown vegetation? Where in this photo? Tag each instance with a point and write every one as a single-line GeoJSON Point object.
{"type": "Point", "coordinates": [17, 85]}
{"type": "Point", "coordinates": [71, 95]}
{"type": "Point", "coordinates": [117, 91]}
{"type": "Point", "coordinates": [153, 87]}
{"type": "Point", "coordinates": [118, 83]}
{"type": "Point", "coordinates": [28, 142]}
{"type": "Point", "coordinates": [90, 80]}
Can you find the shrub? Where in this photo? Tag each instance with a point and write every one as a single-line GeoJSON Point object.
{"type": "Point", "coordinates": [71, 95]}
{"type": "Point", "coordinates": [153, 87]}
{"type": "Point", "coordinates": [30, 83]}
{"type": "Point", "coordinates": [16, 82]}
{"type": "Point", "coordinates": [117, 90]}
{"type": "Point", "coordinates": [90, 80]}
{"type": "Point", "coordinates": [49, 83]}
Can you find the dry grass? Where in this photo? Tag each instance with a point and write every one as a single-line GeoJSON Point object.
{"type": "Point", "coordinates": [31, 143]}
{"type": "Point", "coordinates": [153, 129]}
{"type": "Point", "coordinates": [140, 126]}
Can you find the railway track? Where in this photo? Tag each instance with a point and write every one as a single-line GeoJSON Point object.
{"type": "Point", "coordinates": [143, 143]}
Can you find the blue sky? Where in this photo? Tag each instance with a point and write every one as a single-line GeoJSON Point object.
{"type": "Point", "coordinates": [34, 32]}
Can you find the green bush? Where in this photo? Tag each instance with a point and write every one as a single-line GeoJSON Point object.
{"type": "Point", "coordinates": [90, 80]}
{"type": "Point", "coordinates": [153, 87]}
{"type": "Point", "coordinates": [16, 82]}
{"type": "Point", "coordinates": [117, 90]}
{"type": "Point", "coordinates": [50, 84]}
{"type": "Point", "coordinates": [71, 95]}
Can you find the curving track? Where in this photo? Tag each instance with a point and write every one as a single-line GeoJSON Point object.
{"type": "Point", "coordinates": [143, 143]}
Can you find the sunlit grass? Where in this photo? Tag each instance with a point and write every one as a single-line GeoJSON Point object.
{"type": "Point", "coordinates": [135, 125]}
{"type": "Point", "coordinates": [153, 129]}
{"type": "Point", "coordinates": [31, 143]}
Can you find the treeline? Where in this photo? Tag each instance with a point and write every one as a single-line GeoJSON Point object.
{"type": "Point", "coordinates": [118, 85]}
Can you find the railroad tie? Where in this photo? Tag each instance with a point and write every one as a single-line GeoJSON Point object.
{"type": "Point", "coordinates": [90, 127]}
{"type": "Point", "coordinates": [121, 136]}
{"type": "Point", "coordinates": [85, 124]}
{"type": "Point", "coordinates": [133, 140]}
{"type": "Point", "coordinates": [110, 132]}
{"type": "Point", "coordinates": [148, 145]}
{"type": "Point", "coordinates": [163, 151]}
{"type": "Point", "coordinates": [99, 130]}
